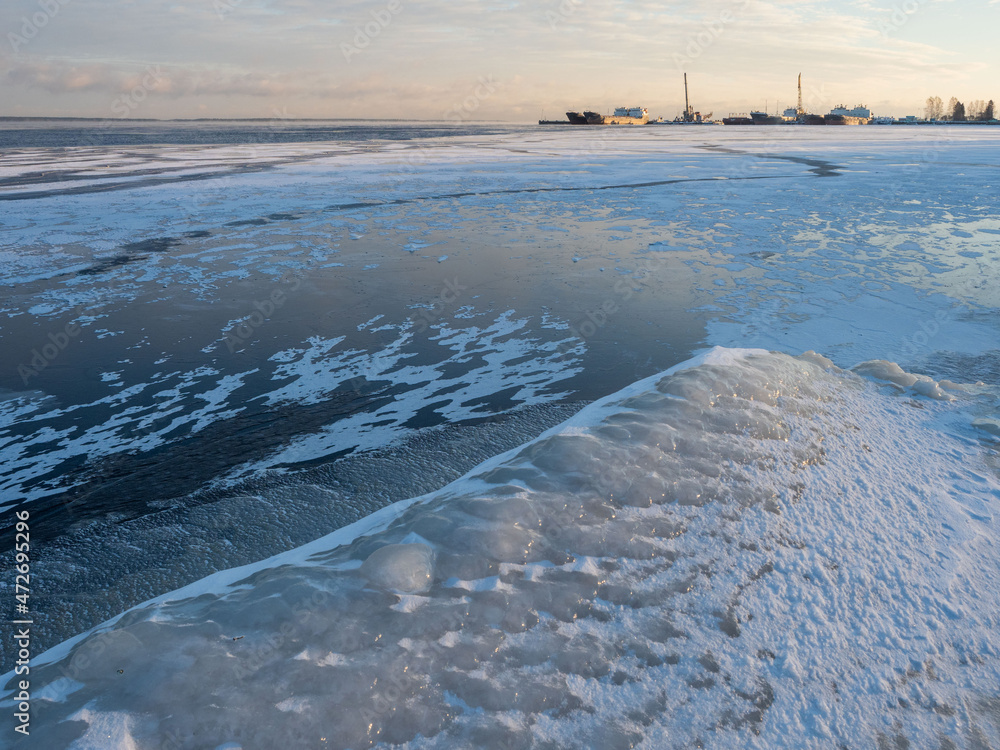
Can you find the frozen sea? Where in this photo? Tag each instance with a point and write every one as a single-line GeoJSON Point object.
{"type": "Point", "coordinates": [337, 435]}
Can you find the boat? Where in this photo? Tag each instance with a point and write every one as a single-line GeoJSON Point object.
{"type": "Point", "coordinates": [763, 118]}
{"type": "Point", "coordinates": [576, 118]}
{"type": "Point", "coordinates": [622, 116]}
{"type": "Point", "coordinates": [737, 120]}
{"type": "Point", "coordinates": [840, 115]}
{"type": "Point", "coordinates": [807, 119]}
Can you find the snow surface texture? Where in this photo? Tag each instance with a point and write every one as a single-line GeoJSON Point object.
{"type": "Point", "coordinates": [750, 550]}
{"type": "Point", "coordinates": [865, 244]}
{"type": "Point", "coordinates": [309, 374]}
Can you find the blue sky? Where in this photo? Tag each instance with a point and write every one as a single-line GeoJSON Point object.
{"type": "Point", "coordinates": [487, 59]}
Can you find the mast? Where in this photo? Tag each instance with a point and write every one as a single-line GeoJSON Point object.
{"type": "Point", "coordinates": [687, 107]}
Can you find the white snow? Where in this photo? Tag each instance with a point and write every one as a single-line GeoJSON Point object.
{"type": "Point", "coordinates": [309, 374]}
{"type": "Point", "coordinates": [751, 550]}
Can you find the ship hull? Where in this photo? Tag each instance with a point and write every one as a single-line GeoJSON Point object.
{"type": "Point", "coordinates": [576, 118]}
{"type": "Point", "coordinates": [595, 119]}
{"type": "Point", "coordinates": [813, 120]}
{"type": "Point", "coordinates": [619, 120]}
{"type": "Point", "coordinates": [844, 120]}
{"type": "Point", "coordinates": [762, 118]}
{"type": "Point", "coordinates": [737, 121]}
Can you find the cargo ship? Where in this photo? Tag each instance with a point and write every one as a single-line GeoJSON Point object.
{"type": "Point", "coordinates": [737, 120]}
{"type": "Point", "coordinates": [763, 118]}
{"type": "Point", "coordinates": [622, 116]}
{"type": "Point", "coordinates": [840, 115]}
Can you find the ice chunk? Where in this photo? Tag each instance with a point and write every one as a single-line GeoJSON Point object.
{"type": "Point", "coordinates": [818, 359]}
{"type": "Point", "coordinates": [890, 372]}
{"type": "Point", "coordinates": [407, 568]}
{"type": "Point", "coordinates": [111, 729]}
{"type": "Point", "coordinates": [989, 425]}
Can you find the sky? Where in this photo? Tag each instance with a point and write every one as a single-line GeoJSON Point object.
{"type": "Point", "coordinates": [464, 60]}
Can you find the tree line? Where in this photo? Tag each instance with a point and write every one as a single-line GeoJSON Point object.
{"type": "Point", "coordinates": [976, 111]}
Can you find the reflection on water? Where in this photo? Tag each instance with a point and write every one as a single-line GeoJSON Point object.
{"type": "Point", "coordinates": [289, 303]}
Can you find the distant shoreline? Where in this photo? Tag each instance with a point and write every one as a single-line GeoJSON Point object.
{"type": "Point", "coordinates": [23, 118]}
{"type": "Point", "coordinates": [408, 121]}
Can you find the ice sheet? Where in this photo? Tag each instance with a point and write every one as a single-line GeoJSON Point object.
{"type": "Point", "coordinates": [865, 243]}
{"type": "Point", "coordinates": [751, 550]}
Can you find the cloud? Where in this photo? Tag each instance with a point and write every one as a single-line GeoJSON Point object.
{"type": "Point", "coordinates": [59, 77]}
{"type": "Point", "coordinates": [419, 57]}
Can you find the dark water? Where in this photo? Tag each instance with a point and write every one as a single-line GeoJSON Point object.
{"type": "Point", "coordinates": [482, 285]}
{"type": "Point", "coordinates": [159, 309]}
{"type": "Point", "coordinates": [58, 133]}
{"type": "Point", "coordinates": [497, 312]}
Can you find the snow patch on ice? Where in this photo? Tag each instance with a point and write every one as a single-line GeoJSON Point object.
{"type": "Point", "coordinates": [751, 550]}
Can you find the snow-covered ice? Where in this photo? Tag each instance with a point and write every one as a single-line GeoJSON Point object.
{"type": "Point", "coordinates": [751, 550]}
{"type": "Point", "coordinates": [754, 550]}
